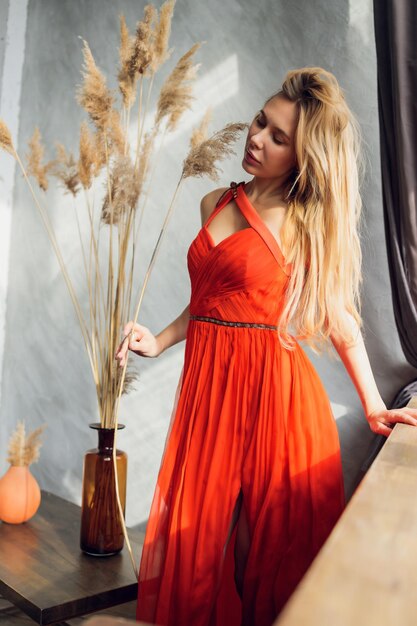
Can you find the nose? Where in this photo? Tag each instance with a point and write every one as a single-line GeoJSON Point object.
{"type": "Point", "coordinates": [256, 139]}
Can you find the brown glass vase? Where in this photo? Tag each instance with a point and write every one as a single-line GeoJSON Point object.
{"type": "Point", "coordinates": [101, 528]}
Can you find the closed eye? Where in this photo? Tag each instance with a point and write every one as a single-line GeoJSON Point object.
{"type": "Point", "coordinates": [262, 125]}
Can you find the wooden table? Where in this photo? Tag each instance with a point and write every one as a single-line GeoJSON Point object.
{"type": "Point", "coordinates": [45, 574]}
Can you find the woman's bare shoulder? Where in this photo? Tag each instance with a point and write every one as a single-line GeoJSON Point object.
{"type": "Point", "coordinates": [209, 201]}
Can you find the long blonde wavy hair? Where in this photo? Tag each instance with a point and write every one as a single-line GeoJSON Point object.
{"type": "Point", "coordinates": [320, 234]}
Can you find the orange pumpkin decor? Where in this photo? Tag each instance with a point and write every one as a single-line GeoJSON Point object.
{"type": "Point", "coordinates": [20, 495]}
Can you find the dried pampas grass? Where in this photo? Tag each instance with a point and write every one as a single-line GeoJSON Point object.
{"type": "Point", "coordinates": [201, 160]}
{"type": "Point", "coordinates": [162, 34]}
{"type": "Point", "coordinates": [94, 95]}
{"type": "Point", "coordinates": [22, 450]}
{"type": "Point", "coordinates": [87, 161]}
{"type": "Point", "coordinates": [6, 142]}
{"type": "Point", "coordinates": [101, 152]}
{"type": "Point", "coordinates": [65, 169]}
{"type": "Point", "coordinates": [176, 96]}
{"type": "Point", "coordinates": [135, 53]}
{"type": "Point", "coordinates": [127, 82]}
{"type": "Point", "coordinates": [116, 138]}
{"type": "Point", "coordinates": [142, 45]}
{"type": "Point", "coordinates": [34, 157]}
{"type": "Point", "coordinates": [144, 53]}
{"type": "Point", "coordinates": [144, 157]}
{"type": "Point", "coordinates": [97, 99]}
{"type": "Point", "coordinates": [123, 193]}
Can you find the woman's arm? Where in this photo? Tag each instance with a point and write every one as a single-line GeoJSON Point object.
{"type": "Point", "coordinates": [356, 361]}
{"type": "Point", "coordinates": [139, 339]}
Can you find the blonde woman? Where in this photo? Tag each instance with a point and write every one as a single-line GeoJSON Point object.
{"type": "Point", "coordinates": [250, 483]}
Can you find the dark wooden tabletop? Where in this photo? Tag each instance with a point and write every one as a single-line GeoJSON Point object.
{"type": "Point", "coordinates": [45, 574]}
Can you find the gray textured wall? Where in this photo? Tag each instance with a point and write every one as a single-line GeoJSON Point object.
{"type": "Point", "coordinates": [249, 47]}
{"type": "Point", "coordinates": [4, 9]}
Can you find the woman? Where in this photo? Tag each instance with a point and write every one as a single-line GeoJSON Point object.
{"type": "Point", "coordinates": [250, 483]}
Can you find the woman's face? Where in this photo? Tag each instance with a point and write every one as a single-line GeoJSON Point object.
{"type": "Point", "coordinates": [271, 140]}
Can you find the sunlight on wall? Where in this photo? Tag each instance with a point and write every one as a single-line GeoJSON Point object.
{"type": "Point", "coordinates": [340, 409]}
{"type": "Point", "coordinates": [359, 18]}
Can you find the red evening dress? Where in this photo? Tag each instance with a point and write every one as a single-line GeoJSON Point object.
{"type": "Point", "coordinates": [250, 420]}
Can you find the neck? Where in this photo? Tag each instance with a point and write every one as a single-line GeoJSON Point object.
{"type": "Point", "coordinates": [265, 190]}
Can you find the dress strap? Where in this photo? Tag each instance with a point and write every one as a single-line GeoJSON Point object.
{"type": "Point", "coordinates": [233, 188]}
{"type": "Point", "coordinates": [227, 195]}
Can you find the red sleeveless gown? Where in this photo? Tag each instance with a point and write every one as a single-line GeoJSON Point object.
{"type": "Point", "coordinates": [249, 416]}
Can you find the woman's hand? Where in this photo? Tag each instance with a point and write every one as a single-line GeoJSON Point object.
{"type": "Point", "coordinates": [383, 421]}
{"type": "Point", "coordinates": [140, 340]}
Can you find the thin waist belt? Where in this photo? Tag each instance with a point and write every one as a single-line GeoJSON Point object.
{"type": "Point", "coordinates": [227, 323]}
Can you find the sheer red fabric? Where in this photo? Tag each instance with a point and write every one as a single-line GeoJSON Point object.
{"type": "Point", "coordinates": [250, 483]}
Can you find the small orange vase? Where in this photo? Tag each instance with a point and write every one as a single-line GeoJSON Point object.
{"type": "Point", "coordinates": [20, 495]}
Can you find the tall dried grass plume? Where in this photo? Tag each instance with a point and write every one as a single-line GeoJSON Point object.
{"type": "Point", "coordinates": [35, 156]}
{"type": "Point", "coordinates": [176, 94]}
{"type": "Point", "coordinates": [143, 42]}
{"type": "Point", "coordinates": [87, 161]}
{"type": "Point", "coordinates": [162, 34]}
{"type": "Point", "coordinates": [65, 169]}
{"type": "Point", "coordinates": [123, 193]}
{"type": "Point", "coordinates": [144, 157]}
{"type": "Point", "coordinates": [201, 160]}
{"type": "Point", "coordinates": [6, 142]}
{"type": "Point", "coordinates": [94, 95]}
{"type": "Point", "coordinates": [127, 82]}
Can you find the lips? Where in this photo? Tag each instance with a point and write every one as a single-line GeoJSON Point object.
{"type": "Point", "coordinates": [248, 152]}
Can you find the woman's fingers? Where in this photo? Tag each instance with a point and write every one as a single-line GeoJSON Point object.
{"type": "Point", "coordinates": [133, 334]}
{"type": "Point", "coordinates": [124, 344]}
{"type": "Point", "coordinates": [122, 349]}
{"type": "Point", "coordinates": [406, 415]}
{"type": "Point", "coordinates": [137, 328]}
{"type": "Point", "coordinates": [383, 430]}
{"type": "Point", "coordinates": [121, 352]}
{"type": "Point", "coordinates": [384, 421]}
{"type": "Point", "coordinates": [127, 328]}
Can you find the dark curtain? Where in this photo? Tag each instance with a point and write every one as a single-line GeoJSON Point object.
{"type": "Point", "coordinates": [395, 24]}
